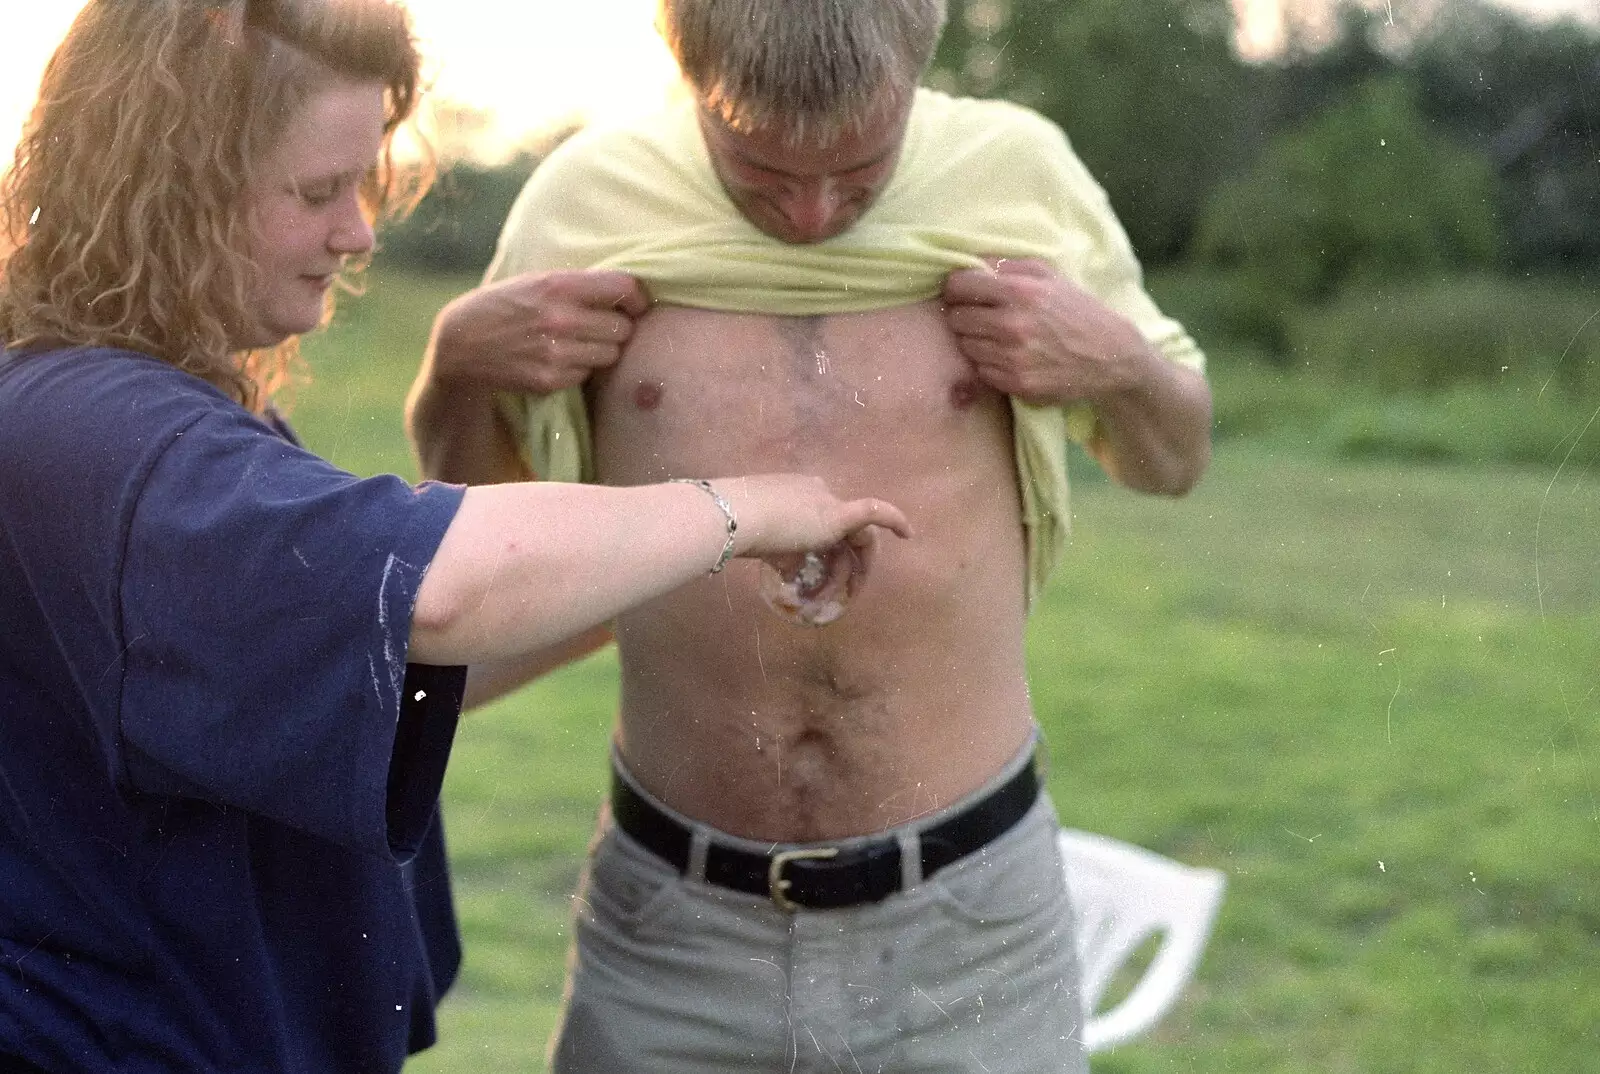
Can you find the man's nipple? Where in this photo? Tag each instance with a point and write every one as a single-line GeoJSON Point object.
{"type": "Point", "coordinates": [963, 393]}
{"type": "Point", "coordinates": [647, 396]}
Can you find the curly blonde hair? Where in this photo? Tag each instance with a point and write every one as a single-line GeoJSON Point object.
{"type": "Point", "coordinates": [124, 211]}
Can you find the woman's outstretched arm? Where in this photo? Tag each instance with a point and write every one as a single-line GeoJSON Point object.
{"type": "Point", "coordinates": [527, 565]}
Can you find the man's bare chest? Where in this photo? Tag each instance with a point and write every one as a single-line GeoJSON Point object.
{"type": "Point", "coordinates": [710, 393]}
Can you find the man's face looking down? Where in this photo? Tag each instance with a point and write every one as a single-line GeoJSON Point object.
{"type": "Point", "coordinates": [806, 190]}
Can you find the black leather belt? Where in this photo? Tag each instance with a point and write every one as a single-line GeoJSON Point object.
{"type": "Point", "coordinates": [821, 876]}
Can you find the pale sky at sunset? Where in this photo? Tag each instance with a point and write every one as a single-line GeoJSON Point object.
{"type": "Point", "coordinates": [529, 61]}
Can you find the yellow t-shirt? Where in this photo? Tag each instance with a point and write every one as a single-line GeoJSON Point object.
{"type": "Point", "coordinates": [975, 178]}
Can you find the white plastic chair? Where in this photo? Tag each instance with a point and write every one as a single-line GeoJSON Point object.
{"type": "Point", "coordinates": [1122, 894]}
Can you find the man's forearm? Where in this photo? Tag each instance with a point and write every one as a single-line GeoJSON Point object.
{"type": "Point", "coordinates": [1156, 435]}
{"type": "Point", "coordinates": [459, 434]}
{"type": "Point", "coordinates": [488, 682]}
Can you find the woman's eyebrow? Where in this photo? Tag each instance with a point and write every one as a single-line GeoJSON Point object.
{"type": "Point", "coordinates": [334, 178]}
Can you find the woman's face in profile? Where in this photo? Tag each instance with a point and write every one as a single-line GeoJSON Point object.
{"type": "Point", "coordinates": [306, 208]}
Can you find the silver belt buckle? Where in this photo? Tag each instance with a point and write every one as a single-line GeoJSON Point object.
{"type": "Point", "coordinates": [778, 884]}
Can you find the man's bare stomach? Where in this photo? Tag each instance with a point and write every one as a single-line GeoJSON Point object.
{"type": "Point", "coordinates": [917, 695]}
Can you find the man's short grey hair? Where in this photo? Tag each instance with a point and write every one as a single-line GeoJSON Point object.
{"type": "Point", "coordinates": [815, 67]}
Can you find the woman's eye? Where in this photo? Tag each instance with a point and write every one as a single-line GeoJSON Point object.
{"type": "Point", "coordinates": [319, 194]}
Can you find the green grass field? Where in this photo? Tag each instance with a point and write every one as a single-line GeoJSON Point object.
{"type": "Point", "coordinates": [1368, 691]}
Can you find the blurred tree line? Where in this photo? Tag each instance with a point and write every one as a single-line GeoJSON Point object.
{"type": "Point", "coordinates": [1463, 140]}
{"type": "Point", "coordinates": [1474, 141]}
{"type": "Point", "coordinates": [1471, 138]}
{"type": "Point", "coordinates": [1411, 205]}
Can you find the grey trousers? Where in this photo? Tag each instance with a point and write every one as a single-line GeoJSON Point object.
{"type": "Point", "coordinates": [972, 970]}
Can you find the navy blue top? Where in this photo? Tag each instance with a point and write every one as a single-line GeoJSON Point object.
{"type": "Point", "coordinates": [219, 837]}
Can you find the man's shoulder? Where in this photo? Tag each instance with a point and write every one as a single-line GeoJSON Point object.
{"type": "Point", "coordinates": [646, 137]}
{"type": "Point", "coordinates": [603, 185]}
{"type": "Point", "coordinates": [985, 121]}
{"type": "Point", "coordinates": [992, 152]}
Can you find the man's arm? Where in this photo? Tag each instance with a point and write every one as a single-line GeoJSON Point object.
{"type": "Point", "coordinates": [488, 682]}
{"type": "Point", "coordinates": [528, 335]}
{"type": "Point", "coordinates": [1156, 437]}
{"type": "Point", "coordinates": [1031, 333]}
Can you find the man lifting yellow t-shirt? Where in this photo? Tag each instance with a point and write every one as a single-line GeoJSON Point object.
{"type": "Point", "coordinates": [975, 179]}
{"type": "Point", "coordinates": [825, 843]}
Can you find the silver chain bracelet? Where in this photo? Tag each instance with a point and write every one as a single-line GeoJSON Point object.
{"type": "Point", "coordinates": [727, 514]}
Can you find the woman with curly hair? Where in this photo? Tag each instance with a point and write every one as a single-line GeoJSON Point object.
{"type": "Point", "coordinates": [230, 673]}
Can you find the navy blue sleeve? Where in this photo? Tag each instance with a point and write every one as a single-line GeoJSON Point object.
{"type": "Point", "coordinates": [266, 602]}
{"type": "Point", "coordinates": [212, 611]}
{"type": "Point", "coordinates": [430, 705]}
